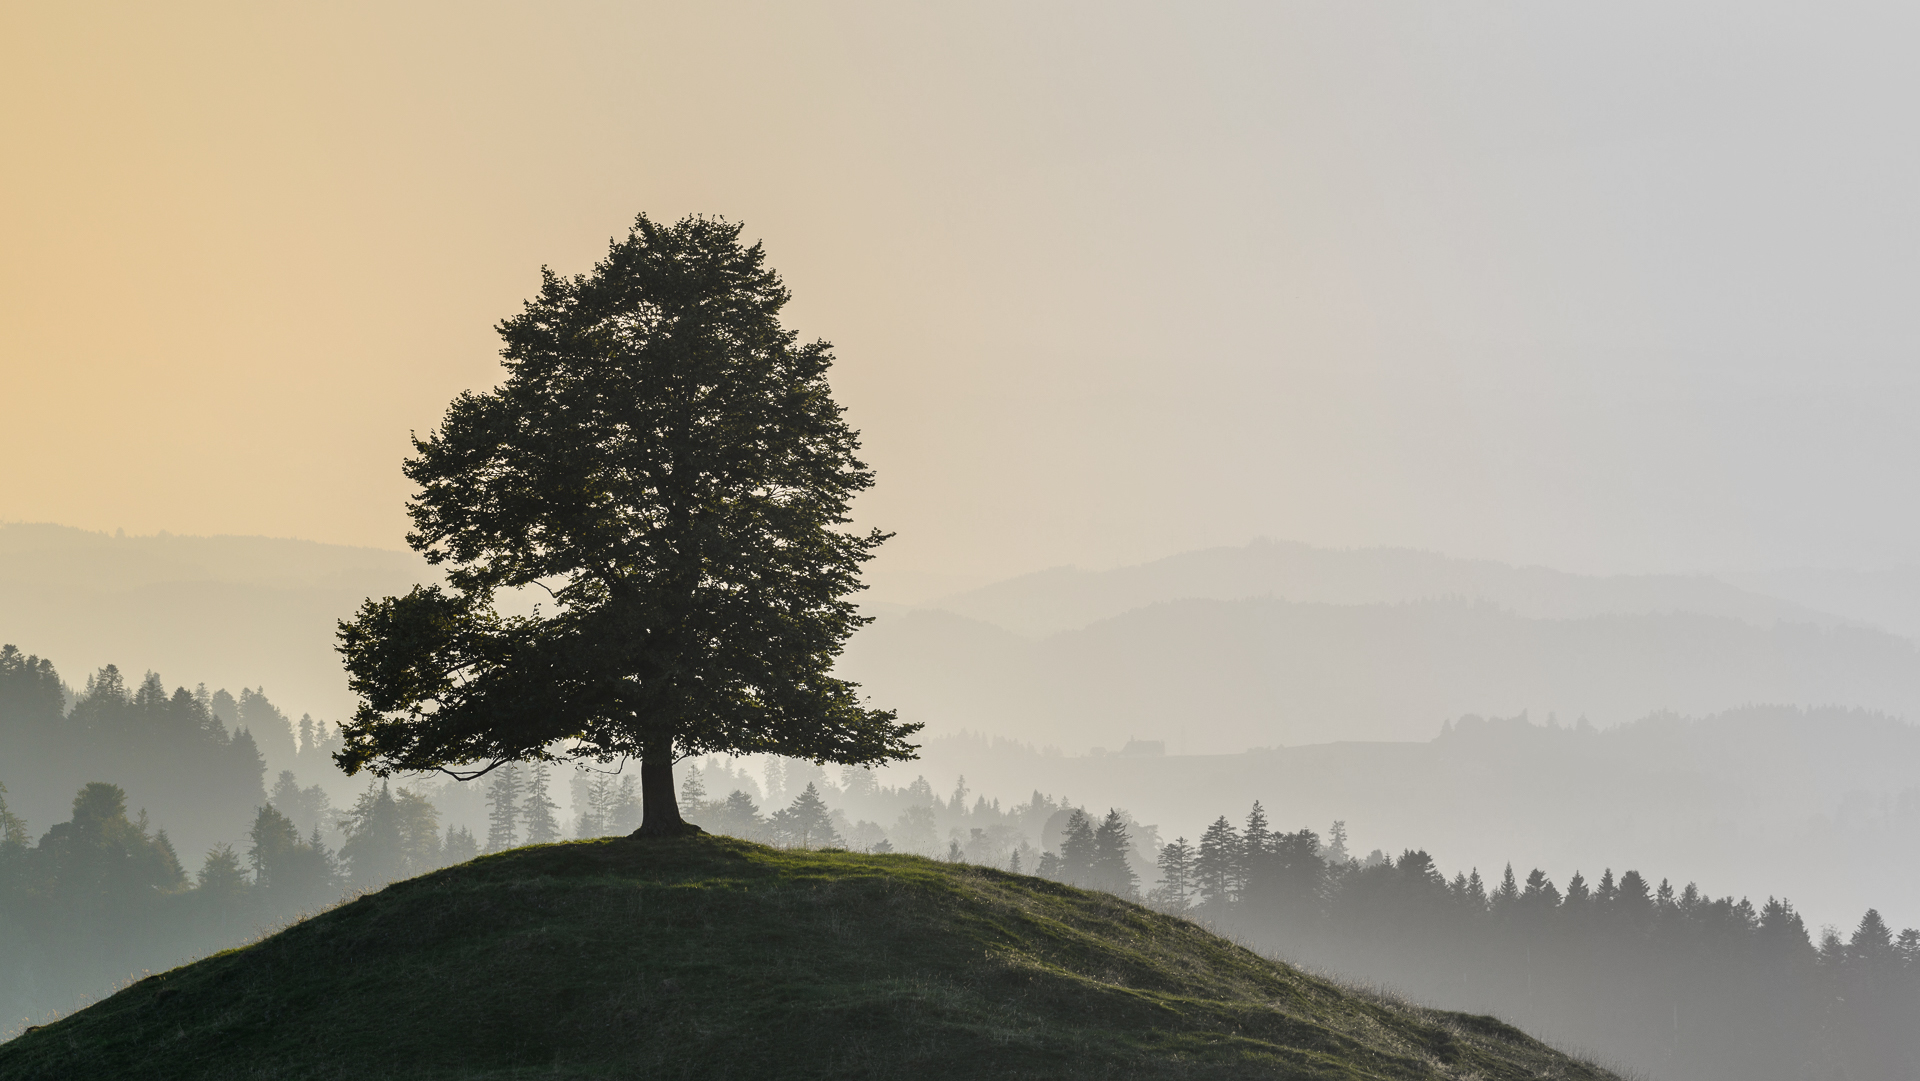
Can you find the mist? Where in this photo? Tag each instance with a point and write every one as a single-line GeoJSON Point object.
{"type": "Point", "coordinates": [1487, 430]}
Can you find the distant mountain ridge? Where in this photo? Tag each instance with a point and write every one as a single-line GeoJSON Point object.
{"type": "Point", "coordinates": [1213, 676]}
{"type": "Point", "coordinates": [1064, 598]}
{"type": "Point", "coordinates": [229, 611]}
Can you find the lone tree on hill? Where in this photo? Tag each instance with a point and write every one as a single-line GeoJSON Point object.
{"type": "Point", "coordinates": [666, 462]}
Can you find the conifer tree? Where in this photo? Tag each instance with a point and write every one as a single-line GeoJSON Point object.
{"type": "Point", "coordinates": [375, 850]}
{"type": "Point", "coordinates": [1216, 867]}
{"type": "Point", "coordinates": [1049, 866]}
{"type": "Point", "coordinates": [221, 874]}
{"type": "Point", "coordinates": [1111, 845]}
{"type": "Point", "coordinates": [738, 817]}
{"type": "Point", "coordinates": [693, 793]}
{"type": "Point", "coordinates": [460, 845]}
{"type": "Point", "coordinates": [1255, 871]}
{"type": "Point", "coordinates": [1077, 849]}
{"type": "Point", "coordinates": [503, 810]}
{"type": "Point", "coordinates": [1507, 894]}
{"type": "Point", "coordinates": [1336, 852]}
{"type": "Point", "coordinates": [1175, 861]}
{"type": "Point", "coordinates": [537, 808]}
{"type": "Point", "coordinates": [807, 823]}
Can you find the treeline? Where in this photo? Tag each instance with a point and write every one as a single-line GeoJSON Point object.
{"type": "Point", "coordinates": [104, 896]}
{"type": "Point", "coordinates": [1666, 980]}
{"type": "Point", "coordinates": [194, 759]}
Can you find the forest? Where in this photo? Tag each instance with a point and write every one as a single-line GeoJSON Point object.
{"type": "Point", "coordinates": [1663, 979]}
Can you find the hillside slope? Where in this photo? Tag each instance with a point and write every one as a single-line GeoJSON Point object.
{"type": "Point", "coordinates": [708, 957]}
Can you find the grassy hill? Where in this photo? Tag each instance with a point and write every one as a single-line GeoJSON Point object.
{"type": "Point", "coordinates": [710, 957]}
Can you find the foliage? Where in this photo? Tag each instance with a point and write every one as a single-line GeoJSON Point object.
{"type": "Point", "coordinates": [668, 464]}
{"type": "Point", "coordinates": [805, 824]}
{"type": "Point", "coordinates": [755, 962]}
{"type": "Point", "coordinates": [188, 768]}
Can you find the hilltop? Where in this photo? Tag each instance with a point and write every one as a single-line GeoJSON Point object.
{"type": "Point", "coordinates": [710, 957]}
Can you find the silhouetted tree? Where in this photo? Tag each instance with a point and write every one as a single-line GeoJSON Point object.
{"type": "Point", "coordinates": [1216, 867]}
{"type": "Point", "coordinates": [738, 817]}
{"type": "Point", "coordinates": [503, 813]}
{"type": "Point", "coordinates": [807, 823]}
{"type": "Point", "coordinates": [1175, 890]}
{"type": "Point", "coordinates": [668, 463]}
{"type": "Point", "coordinates": [460, 845]}
{"type": "Point", "coordinates": [1077, 849]}
{"type": "Point", "coordinates": [1110, 870]}
{"type": "Point", "coordinates": [538, 807]}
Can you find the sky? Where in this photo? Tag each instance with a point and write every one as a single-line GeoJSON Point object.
{"type": "Point", "coordinates": [1612, 288]}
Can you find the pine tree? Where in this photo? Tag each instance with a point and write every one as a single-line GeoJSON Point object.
{"type": "Point", "coordinates": [807, 823]}
{"type": "Point", "coordinates": [1255, 870]}
{"type": "Point", "coordinates": [1111, 845]}
{"type": "Point", "coordinates": [376, 848]}
{"type": "Point", "coordinates": [738, 817]}
{"type": "Point", "coordinates": [627, 811]}
{"type": "Point", "coordinates": [1216, 865]}
{"type": "Point", "coordinates": [1474, 893]}
{"type": "Point", "coordinates": [273, 837]}
{"type": "Point", "coordinates": [460, 845]}
{"type": "Point", "coordinates": [1077, 849]}
{"type": "Point", "coordinates": [503, 814]}
{"type": "Point", "coordinates": [592, 807]}
{"type": "Point", "coordinates": [1336, 852]}
{"type": "Point", "coordinates": [1175, 890]}
{"type": "Point", "coordinates": [693, 793]}
{"type": "Point", "coordinates": [1507, 894]}
{"type": "Point", "coordinates": [536, 810]}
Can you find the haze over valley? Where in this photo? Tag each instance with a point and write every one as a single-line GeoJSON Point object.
{"type": "Point", "coordinates": [960, 540]}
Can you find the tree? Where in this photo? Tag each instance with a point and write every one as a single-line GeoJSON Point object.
{"type": "Point", "coordinates": [1216, 863]}
{"type": "Point", "coordinates": [503, 814]}
{"type": "Point", "coordinates": [460, 845]}
{"type": "Point", "coordinates": [806, 823]}
{"type": "Point", "coordinates": [1176, 875]}
{"type": "Point", "coordinates": [668, 464]}
{"type": "Point", "coordinates": [1110, 870]}
{"type": "Point", "coordinates": [1077, 849]}
{"type": "Point", "coordinates": [376, 844]}
{"type": "Point", "coordinates": [693, 793]}
{"type": "Point", "coordinates": [736, 816]}
{"type": "Point", "coordinates": [543, 827]}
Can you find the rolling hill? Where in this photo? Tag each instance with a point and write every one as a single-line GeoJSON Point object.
{"type": "Point", "coordinates": [709, 957]}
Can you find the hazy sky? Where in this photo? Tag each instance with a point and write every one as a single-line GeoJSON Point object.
{"type": "Point", "coordinates": [1609, 287]}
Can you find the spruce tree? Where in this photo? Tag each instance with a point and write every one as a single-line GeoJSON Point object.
{"type": "Point", "coordinates": [1111, 871]}
{"type": "Point", "coordinates": [1216, 865]}
{"type": "Point", "coordinates": [375, 850]}
{"type": "Point", "coordinates": [807, 823]}
{"type": "Point", "coordinates": [503, 810]}
{"type": "Point", "coordinates": [537, 808]}
{"type": "Point", "coordinates": [1175, 861]}
{"type": "Point", "coordinates": [1255, 870]}
{"type": "Point", "coordinates": [693, 793]}
{"type": "Point", "coordinates": [1077, 849]}
{"type": "Point", "coordinates": [460, 845]}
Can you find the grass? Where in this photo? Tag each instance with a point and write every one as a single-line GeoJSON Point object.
{"type": "Point", "coordinates": [706, 957]}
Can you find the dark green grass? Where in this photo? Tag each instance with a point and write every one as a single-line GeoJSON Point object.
{"type": "Point", "coordinates": [713, 958]}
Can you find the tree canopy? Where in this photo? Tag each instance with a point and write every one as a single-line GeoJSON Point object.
{"type": "Point", "coordinates": [666, 462]}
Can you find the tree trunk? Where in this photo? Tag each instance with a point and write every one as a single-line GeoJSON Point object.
{"type": "Point", "coordinates": [660, 805]}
